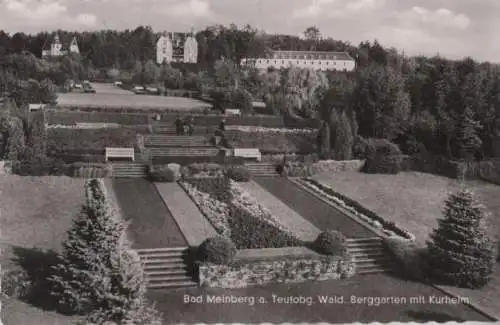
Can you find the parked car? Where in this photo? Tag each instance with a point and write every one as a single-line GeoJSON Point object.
{"type": "Point", "coordinates": [118, 83]}
{"type": "Point", "coordinates": [152, 90]}
{"type": "Point", "coordinates": [139, 90]}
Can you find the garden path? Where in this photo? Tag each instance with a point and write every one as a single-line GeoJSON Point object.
{"type": "Point", "coordinates": [192, 223]}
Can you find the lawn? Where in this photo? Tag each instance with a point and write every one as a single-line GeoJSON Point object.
{"type": "Point", "coordinates": [415, 201]}
{"type": "Point", "coordinates": [317, 212]}
{"type": "Point", "coordinates": [131, 101]}
{"type": "Point", "coordinates": [35, 212]}
{"type": "Point", "coordinates": [175, 310]}
{"type": "Point", "coordinates": [151, 223]}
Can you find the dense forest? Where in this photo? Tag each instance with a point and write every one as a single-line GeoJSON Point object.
{"type": "Point", "coordinates": [424, 104]}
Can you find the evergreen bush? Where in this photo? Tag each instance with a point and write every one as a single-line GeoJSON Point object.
{"type": "Point", "coordinates": [460, 251]}
{"type": "Point", "coordinates": [382, 157]}
{"type": "Point", "coordinates": [98, 275]}
{"type": "Point", "coordinates": [239, 174]}
{"type": "Point", "coordinates": [331, 242]}
{"type": "Point", "coordinates": [217, 250]}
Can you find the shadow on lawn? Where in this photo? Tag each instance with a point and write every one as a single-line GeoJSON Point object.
{"type": "Point", "coordinates": [431, 316]}
{"type": "Point", "coordinates": [36, 266]}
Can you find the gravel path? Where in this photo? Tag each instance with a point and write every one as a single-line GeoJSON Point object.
{"type": "Point", "coordinates": [302, 228]}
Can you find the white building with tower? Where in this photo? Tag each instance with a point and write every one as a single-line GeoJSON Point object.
{"type": "Point", "coordinates": [176, 47]}
{"type": "Point", "coordinates": [57, 48]}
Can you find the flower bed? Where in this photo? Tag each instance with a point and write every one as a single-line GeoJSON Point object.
{"type": "Point", "coordinates": [300, 169]}
{"type": "Point", "coordinates": [236, 215]}
{"type": "Point", "coordinates": [243, 274]}
{"type": "Point", "coordinates": [244, 128]}
{"type": "Point", "coordinates": [389, 228]}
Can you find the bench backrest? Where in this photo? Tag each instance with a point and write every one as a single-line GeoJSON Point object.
{"type": "Point", "coordinates": [119, 153]}
{"type": "Point", "coordinates": [231, 111]}
{"type": "Point", "coordinates": [248, 153]}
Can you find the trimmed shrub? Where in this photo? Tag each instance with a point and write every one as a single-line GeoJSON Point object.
{"type": "Point", "coordinates": [331, 242]}
{"type": "Point", "coordinates": [217, 250]}
{"type": "Point", "coordinates": [217, 187]}
{"type": "Point", "coordinates": [382, 157]}
{"type": "Point", "coordinates": [163, 173]}
{"type": "Point", "coordinates": [239, 174]}
{"type": "Point", "coordinates": [410, 257]}
{"type": "Point", "coordinates": [461, 253]}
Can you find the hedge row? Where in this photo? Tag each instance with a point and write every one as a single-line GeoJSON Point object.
{"type": "Point", "coordinates": [91, 141]}
{"type": "Point", "coordinates": [273, 142]}
{"type": "Point", "coordinates": [71, 118]}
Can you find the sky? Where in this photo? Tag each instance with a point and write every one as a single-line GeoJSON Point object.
{"type": "Point", "coordinates": [451, 28]}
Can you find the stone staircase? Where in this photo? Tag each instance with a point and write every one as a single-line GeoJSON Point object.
{"type": "Point", "coordinates": [128, 170]}
{"type": "Point", "coordinates": [183, 152]}
{"type": "Point", "coordinates": [166, 267]}
{"type": "Point", "coordinates": [262, 169]}
{"type": "Point", "coordinates": [369, 255]}
{"type": "Point", "coordinates": [156, 141]}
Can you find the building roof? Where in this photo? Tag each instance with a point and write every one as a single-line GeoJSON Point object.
{"type": "Point", "coordinates": [314, 55]}
{"type": "Point", "coordinates": [65, 42]}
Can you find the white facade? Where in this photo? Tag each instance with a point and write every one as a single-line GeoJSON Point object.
{"type": "Point", "coordinates": [165, 50]}
{"type": "Point", "coordinates": [339, 61]}
{"type": "Point", "coordinates": [56, 48]}
{"type": "Point", "coordinates": [191, 50]}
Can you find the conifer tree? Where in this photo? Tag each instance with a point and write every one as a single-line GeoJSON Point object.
{"type": "Point", "coordinates": [344, 140]}
{"type": "Point", "coordinates": [86, 257]}
{"type": "Point", "coordinates": [16, 141]}
{"type": "Point", "coordinates": [460, 251]}
{"type": "Point", "coordinates": [324, 144]}
{"type": "Point", "coordinates": [467, 135]}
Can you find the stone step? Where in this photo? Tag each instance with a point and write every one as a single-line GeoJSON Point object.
{"type": "Point", "coordinates": [176, 271]}
{"type": "Point", "coordinates": [374, 270]}
{"type": "Point", "coordinates": [169, 266]}
{"type": "Point", "coordinates": [157, 255]}
{"type": "Point", "coordinates": [165, 261]}
{"type": "Point", "coordinates": [361, 240]}
{"type": "Point", "coordinates": [169, 278]}
{"type": "Point", "coordinates": [172, 285]}
{"type": "Point", "coordinates": [162, 249]}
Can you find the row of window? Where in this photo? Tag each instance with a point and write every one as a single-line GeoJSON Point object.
{"type": "Point", "coordinates": [298, 62]}
{"type": "Point", "coordinates": [304, 56]}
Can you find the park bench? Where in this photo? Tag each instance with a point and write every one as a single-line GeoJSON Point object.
{"type": "Point", "coordinates": [120, 153]}
{"type": "Point", "coordinates": [250, 153]}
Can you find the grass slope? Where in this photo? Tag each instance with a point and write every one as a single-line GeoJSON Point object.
{"type": "Point", "coordinates": [317, 212]}
{"type": "Point", "coordinates": [35, 212]}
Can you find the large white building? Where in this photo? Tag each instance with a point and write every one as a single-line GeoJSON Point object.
{"type": "Point", "coordinates": [316, 60]}
{"type": "Point", "coordinates": [57, 48]}
{"type": "Point", "coordinates": [177, 47]}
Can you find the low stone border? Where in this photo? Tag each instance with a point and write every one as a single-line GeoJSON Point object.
{"type": "Point", "coordinates": [375, 230]}
{"type": "Point", "coordinates": [275, 265]}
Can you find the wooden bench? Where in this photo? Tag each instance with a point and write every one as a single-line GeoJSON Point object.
{"type": "Point", "coordinates": [232, 112]}
{"type": "Point", "coordinates": [120, 153]}
{"type": "Point", "coordinates": [252, 153]}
